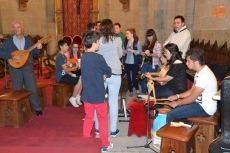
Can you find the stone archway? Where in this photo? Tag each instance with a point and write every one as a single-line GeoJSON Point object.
{"type": "Point", "coordinates": [59, 16]}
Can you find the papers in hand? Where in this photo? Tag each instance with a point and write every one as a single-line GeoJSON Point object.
{"type": "Point", "coordinates": [181, 122]}
{"type": "Point", "coordinates": [145, 97]}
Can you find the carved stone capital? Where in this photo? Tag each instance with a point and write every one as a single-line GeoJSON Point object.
{"type": "Point", "coordinates": [125, 5]}
{"type": "Point", "coordinates": [23, 5]}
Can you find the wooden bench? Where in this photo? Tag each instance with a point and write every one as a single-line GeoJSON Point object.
{"type": "Point", "coordinates": [206, 133]}
{"type": "Point", "coordinates": [15, 108]}
{"type": "Point", "coordinates": [61, 94]}
{"type": "Point", "coordinates": [42, 93]}
{"type": "Point", "coordinates": [177, 139]}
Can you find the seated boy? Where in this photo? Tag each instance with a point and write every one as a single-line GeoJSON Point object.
{"type": "Point", "coordinates": [64, 75]}
{"type": "Point", "coordinates": [94, 70]}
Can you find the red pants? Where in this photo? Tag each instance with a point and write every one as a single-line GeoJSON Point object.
{"type": "Point", "coordinates": [101, 110]}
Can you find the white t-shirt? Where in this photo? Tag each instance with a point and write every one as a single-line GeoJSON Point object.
{"type": "Point", "coordinates": [206, 79]}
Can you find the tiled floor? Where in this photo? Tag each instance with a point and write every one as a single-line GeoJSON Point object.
{"type": "Point", "coordinates": [122, 141]}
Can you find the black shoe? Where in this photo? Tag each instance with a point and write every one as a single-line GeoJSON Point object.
{"type": "Point", "coordinates": [39, 113]}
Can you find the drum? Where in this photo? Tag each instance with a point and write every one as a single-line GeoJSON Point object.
{"type": "Point", "coordinates": [159, 121]}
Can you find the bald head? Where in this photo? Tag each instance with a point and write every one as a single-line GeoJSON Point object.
{"type": "Point", "coordinates": [17, 28]}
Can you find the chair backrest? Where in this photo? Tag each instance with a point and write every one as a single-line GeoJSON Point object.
{"type": "Point", "coordinates": [68, 39]}
{"type": "Point", "coordinates": [78, 39]}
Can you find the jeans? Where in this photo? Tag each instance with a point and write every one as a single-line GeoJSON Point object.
{"type": "Point", "coordinates": [162, 91]}
{"type": "Point", "coordinates": [131, 71]}
{"type": "Point", "coordinates": [146, 68]}
{"type": "Point", "coordinates": [25, 76]}
{"type": "Point", "coordinates": [113, 83]}
{"type": "Point", "coordinates": [191, 110]}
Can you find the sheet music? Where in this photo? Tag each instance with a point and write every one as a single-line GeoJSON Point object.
{"type": "Point", "coordinates": [145, 97]}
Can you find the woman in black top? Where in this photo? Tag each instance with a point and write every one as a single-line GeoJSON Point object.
{"type": "Point", "coordinates": [175, 78]}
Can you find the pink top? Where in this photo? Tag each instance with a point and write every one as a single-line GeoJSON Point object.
{"type": "Point", "coordinates": [67, 54]}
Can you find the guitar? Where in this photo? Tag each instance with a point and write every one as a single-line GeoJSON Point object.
{"type": "Point", "coordinates": [24, 54]}
{"type": "Point", "coordinates": [162, 73]}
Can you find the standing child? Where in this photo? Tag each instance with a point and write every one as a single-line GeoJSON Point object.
{"type": "Point", "coordinates": [94, 71]}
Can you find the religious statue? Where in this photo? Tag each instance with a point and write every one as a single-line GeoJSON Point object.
{"type": "Point", "coordinates": [125, 6]}
{"type": "Point", "coordinates": [23, 5]}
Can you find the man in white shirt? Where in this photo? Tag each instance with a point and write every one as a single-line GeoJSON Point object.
{"type": "Point", "coordinates": [180, 35]}
{"type": "Point", "coordinates": [197, 101]}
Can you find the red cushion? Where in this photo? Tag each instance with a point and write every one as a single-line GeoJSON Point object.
{"type": "Point", "coordinates": [138, 105]}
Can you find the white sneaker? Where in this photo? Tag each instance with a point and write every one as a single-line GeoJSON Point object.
{"type": "Point", "coordinates": [106, 148]}
{"type": "Point", "coordinates": [72, 100]}
{"type": "Point", "coordinates": [78, 100]}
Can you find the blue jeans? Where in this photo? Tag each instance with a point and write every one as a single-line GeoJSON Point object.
{"type": "Point", "coordinates": [191, 110]}
{"type": "Point", "coordinates": [113, 83]}
{"type": "Point", "coordinates": [131, 71]}
{"type": "Point", "coordinates": [146, 68]}
{"type": "Point", "coordinates": [25, 76]}
{"type": "Point", "coordinates": [162, 91]}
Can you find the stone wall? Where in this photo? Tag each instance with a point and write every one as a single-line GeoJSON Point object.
{"type": "Point", "coordinates": [159, 15]}
{"type": "Point", "coordinates": [142, 15]}
{"type": "Point", "coordinates": [208, 27]}
{"type": "Point", "coordinates": [37, 20]}
{"type": "Point", "coordinates": [146, 14]}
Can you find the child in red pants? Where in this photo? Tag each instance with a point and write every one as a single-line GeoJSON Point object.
{"type": "Point", "coordinates": [94, 70]}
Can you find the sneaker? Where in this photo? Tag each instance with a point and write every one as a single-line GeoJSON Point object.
{"type": "Point", "coordinates": [96, 131]}
{"type": "Point", "coordinates": [114, 134]}
{"type": "Point", "coordinates": [131, 94]}
{"type": "Point", "coordinates": [106, 148]}
{"type": "Point", "coordinates": [78, 100]}
{"type": "Point", "coordinates": [72, 100]}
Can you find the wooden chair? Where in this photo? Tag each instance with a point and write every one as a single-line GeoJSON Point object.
{"type": "Point", "coordinates": [78, 39]}
{"type": "Point", "coordinates": [191, 44]}
{"type": "Point", "coordinates": [207, 52]}
{"type": "Point", "coordinates": [197, 43]}
{"type": "Point", "coordinates": [214, 53]}
{"type": "Point", "coordinates": [202, 45]}
{"type": "Point", "coordinates": [68, 39]}
{"type": "Point", "coordinates": [49, 63]}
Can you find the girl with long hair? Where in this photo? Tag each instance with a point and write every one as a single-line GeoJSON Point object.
{"type": "Point", "coordinates": [151, 53]}
{"type": "Point", "coordinates": [175, 79]}
{"type": "Point", "coordinates": [111, 49]}
{"type": "Point", "coordinates": [132, 59]}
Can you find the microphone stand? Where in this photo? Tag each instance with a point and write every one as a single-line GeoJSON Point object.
{"type": "Point", "coordinates": [150, 86]}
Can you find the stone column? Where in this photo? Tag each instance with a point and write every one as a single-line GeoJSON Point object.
{"type": "Point", "coordinates": [59, 19]}
{"type": "Point", "coordinates": [143, 19]}
{"type": "Point", "coordinates": [95, 11]}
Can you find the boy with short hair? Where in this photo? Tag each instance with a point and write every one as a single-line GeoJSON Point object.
{"type": "Point", "coordinates": [63, 73]}
{"type": "Point", "coordinates": [117, 30]}
{"type": "Point", "coordinates": [94, 71]}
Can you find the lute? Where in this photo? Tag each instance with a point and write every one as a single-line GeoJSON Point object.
{"type": "Point", "coordinates": [24, 54]}
{"type": "Point", "coordinates": [162, 73]}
